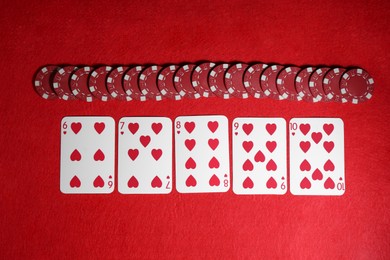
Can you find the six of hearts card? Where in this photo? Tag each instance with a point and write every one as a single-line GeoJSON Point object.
{"type": "Point", "coordinates": [202, 155]}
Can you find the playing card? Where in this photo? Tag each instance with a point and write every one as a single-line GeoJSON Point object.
{"type": "Point", "coordinates": [145, 155]}
{"type": "Point", "coordinates": [259, 156]}
{"type": "Point", "coordinates": [317, 156]}
{"type": "Point", "coordinates": [87, 155]}
{"type": "Point", "coordinates": [202, 154]}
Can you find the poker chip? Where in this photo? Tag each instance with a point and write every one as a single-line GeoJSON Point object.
{"type": "Point", "coordinates": [302, 84]}
{"type": "Point", "coordinates": [97, 83]}
{"type": "Point", "coordinates": [147, 83]}
{"type": "Point", "coordinates": [234, 80]}
{"type": "Point", "coordinates": [285, 83]}
{"type": "Point", "coordinates": [130, 83]}
{"type": "Point", "coordinates": [331, 84]}
{"type": "Point", "coordinates": [61, 82]}
{"type": "Point", "coordinates": [42, 82]}
{"type": "Point", "coordinates": [114, 84]}
{"type": "Point", "coordinates": [183, 83]}
{"type": "Point", "coordinates": [200, 79]}
{"type": "Point", "coordinates": [252, 79]}
{"type": "Point", "coordinates": [79, 84]}
{"type": "Point", "coordinates": [268, 82]}
{"type": "Point", "coordinates": [357, 85]}
{"type": "Point", "coordinates": [217, 81]}
{"type": "Point", "coordinates": [165, 82]}
{"type": "Point", "coordinates": [316, 84]}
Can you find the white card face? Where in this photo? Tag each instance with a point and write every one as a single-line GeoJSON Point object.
{"type": "Point", "coordinates": [202, 154]}
{"type": "Point", "coordinates": [145, 155]}
{"type": "Point", "coordinates": [317, 156]}
{"type": "Point", "coordinates": [87, 155]}
{"type": "Point", "coordinates": [259, 156]}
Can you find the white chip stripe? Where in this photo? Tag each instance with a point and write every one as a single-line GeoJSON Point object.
{"type": "Point", "coordinates": [109, 80]}
{"type": "Point", "coordinates": [274, 67]}
{"type": "Point", "coordinates": [263, 78]}
{"type": "Point", "coordinates": [298, 79]}
{"type": "Point", "coordinates": [197, 95]}
{"type": "Point", "coordinates": [144, 91]}
{"type": "Point", "coordinates": [186, 67]}
{"type": "Point", "coordinates": [182, 93]}
{"type": "Point", "coordinates": [245, 95]}
{"type": "Point", "coordinates": [128, 92]}
{"type": "Point", "coordinates": [108, 68]}
{"type": "Point", "coordinates": [142, 98]}
{"type": "Point", "coordinates": [279, 81]}
{"type": "Point", "coordinates": [92, 89]}
{"type": "Point", "coordinates": [128, 98]}
{"type": "Point", "coordinates": [45, 96]}
{"type": "Point", "coordinates": [172, 67]}
{"type": "Point", "coordinates": [250, 70]}
{"type": "Point", "coordinates": [142, 77]}
{"type": "Point", "coordinates": [177, 97]}
{"type": "Point", "coordinates": [89, 99]}
{"type": "Point", "coordinates": [329, 96]}
{"type": "Point", "coordinates": [371, 81]}
{"type": "Point", "coordinates": [355, 101]}
{"type": "Point", "coordinates": [230, 90]}
{"type": "Point", "coordinates": [326, 81]}
{"type": "Point", "coordinates": [311, 84]}
{"type": "Point", "coordinates": [177, 79]}
{"type": "Point", "coordinates": [288, 70]}
{"type": "Point", "coordinates": [310, 69]}
{"type": "Point", "coordinates": [158, 98]}
{"type": "Point", "coordinates": [74, 77]}
{"type": "Point", "coordinates": [138, 68]}
{"type": "Point", "coordinates": [318, 97]}
{"type": "Point", "coordinates": [154, 68]}
{"type": "Point", "coordinates": [359, 71]}
{"type": "Point", "coordinates": [197, 69]}
{"type": "Point", "coordinates": [301, 94]}
{"type": "Point", "coordinates": [65, 97]}
{"type": "Point", "coordinates": [75, 92]}
{"type": "Point", "coordinates": [345, 76]}
{"type": "Point", "coordinates": [61, 71]}
{"type": "Point", "coordinates": [164, 92]}
{"type": "Point", "coordinates": [266, 92]}
{"type": "Point", "coordinates": [213, 88]}
{"type": "Point", "coordinates": [265, 66]}
{"type": "Point", "coordinates": [212, 74]}
{"type": "Point", "coordinates": [161, 77]}
{"type": "Point", "coordinates": [195, 83]}
{"type": "Point", "coordinates": [119, 69]}
{"type": "Point", "coordinates": [343, 91]}
{"type": "Point", "coordinates": [94, 74]}
{"type": "Point", "coordinates": [205, 94]}
{"type": "Point", "coordinates": [44, 70]}
{"type": "Point", "coordinates": [285, 96]}
{"type": "Point", "coordinates": [246, 84]}
{"type": "Point", "coordinates": [87, 69]}
{"type": "Point", "coordinates": [226, 96]}
{"type": "Point", "coordinates": [114, 94]}
{"type": "Point", "coordinates": [239, 66]}
{"type": "Point", "coordinates": [104, 98]}
{"type": "Point", "coordinates": [211, 64]}
{"type": "Point", "coordinates": [225, 66]}
{"type": "Point", "coordinates": [127, 77]}
{"type": "Point", "coordinates": [257, 95]}
{"type": "Point", "coordinates": [368, 96]}
{"type": "Point", "coordinates": [299, 98]}
{"type": "Point", "coordinates": [37, 83]}
{"type": "Point", "coordinates": [319, 71]}
{"type": "Point", "coordinates": [228, 75]}
{"type": "Point", "coordinates": [55, 85]}
{"type": "Point", "coordinates": [336, 71]}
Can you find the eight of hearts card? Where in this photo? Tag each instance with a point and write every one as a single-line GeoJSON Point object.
{"type": "Point", "coordinates": [87, 155]}
{"type": "Point", "coordinates": [317, 156]}
{"type": "Point", "coordinates": [145, 155]}
{"type": "Point", "coordinates": [202, 154]}
{"type": "Point", "coordinates": [259, 156]}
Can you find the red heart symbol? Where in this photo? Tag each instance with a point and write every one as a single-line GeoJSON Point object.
{"type": "Point", "coordinates": [247, 146]}
{"type": "Point", "coordinates": [99, 127]}
{"type": "Point", "coordinates": [190, 163]}
{"type": "Point", "coordinates": [156, 153]}
{"type": "Point", "coordinates": [248, 183]}
{"type": "Point", "coordinates": [247, 166]}
{"type": "Point", "coordinates": [156, 182]}
{"type": "Point", "coordinates": [316, 137]}
{"type": "Point", "coordinates": [189, 126]}
{"type": "Point", "coordinates": [271, 128]}
{"type": "Point", "coordinates": [271, 165]}
{"type": "Point", "coordinates": [76, 127]}
{"type": "Point", "coordinates": [133, 153]}
{"type": "Point", "coordinates": [213, 143]}
{"type": "Point", "coordinates": [214, 180]}
{"type": "Point", "coordinates": [271, 145]}
{"type": "Point", "coordinates": [190, 182]}
{"type": "Point", "coordinates": [259, 156]}
{"type": "Point", "coordinates": [305, 128]}
{"type": "Point", "coordinates": [212, 125]}
{"type": "Point", "coordinates": [247, 128]}
{"type": "Point", "coordinates": [329, 166]}
{"type": "Point", "coordinates": [156, 127]}
{"type": "Point", "coordinates": [99, 155]}
{"type": "Point", "coordinates": [75, 182]}
{"type": "Point", "coordinates": [328, 128]}
{"type": "Point", "coordinates": [305, 166]}
{"type": "Point", "coordinates": [75, 155]}
{"type": "Point", "coordinates": [271, 183]}
{"type": "Point", "coordinates": [317, 175]}
{"type": "Point", "coordinates": [305, 146]}
{"type": "Point", "coordinates": [190, 144]}
{"type": "Point", "coordinates": [133, 182]}
{"type": "Point", "coordinates": [329, 184]}
{"type": "Point", "coordinates": [305, 183]}
{"type": "Point", "coordinates": [98, 182]}
{"type": "Point", "coordinates": [213, 163]}
{"type": "Point", "coordinates": [145, 140]}
{"type": "Point", "coordinates": [133, 127]}
{"type": "Point", "coordinates": [328, 146]}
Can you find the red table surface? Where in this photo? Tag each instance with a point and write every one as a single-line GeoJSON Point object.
{"type": "Point", "coordinates": [39, 222]}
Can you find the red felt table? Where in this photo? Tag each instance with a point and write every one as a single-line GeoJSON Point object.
{"type": "Point", "coordinates": [38, 222]}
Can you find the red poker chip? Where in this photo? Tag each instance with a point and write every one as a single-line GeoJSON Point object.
{"type": "Point", "coordinates": [61, 82]}
{"type": "Point", "coordinates": [200, 79]}
{"type": "Point", "coordinates": [130, 83]}
{"type": "Point", "coordinates": [268, 82]}
{"type": "Point", "coordinates": [217, 81]}
{"type": "Point", "coordinates": [234, 80]}
{"type": "Point", "coordinates": [114, 84]}
{"type": "Point", "coordinates": [357, 85]}
{"type": "Point", "coordinates": [97, 83]}
{"type": "Point", "coordinates": [285, 83]}
{"type": "Point", "coordinates": [147, 82]}
{"type": "Point", "coordinates": [316, 84]}
{"type": "Point", "coordinates": [165, 82]}
{"type": "Point", "coordinates": [331, 84]}
{"type": "Point", "coordinates": [79, 84]}
{"type": "Point", "coordinates": [42, 83]}
{"type": "Point", "coordinates": [252, 79]}
{"type": "Point", "coordinates": [302, 84]}
{"type": "Point", "coordinates": [183, 83]}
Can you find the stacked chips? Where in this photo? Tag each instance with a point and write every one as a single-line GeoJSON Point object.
{"type": "Point", "coordinates": [224, 80]}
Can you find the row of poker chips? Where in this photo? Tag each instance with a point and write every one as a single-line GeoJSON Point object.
{"type": "Point", "coordinates": [208, 79]}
